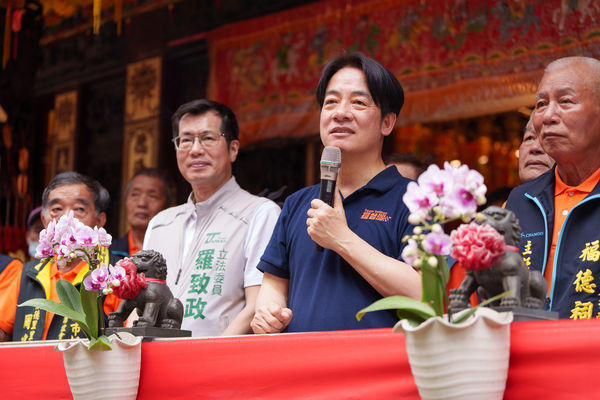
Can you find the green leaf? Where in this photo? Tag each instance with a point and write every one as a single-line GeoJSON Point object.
{"type": "Point", "coordinates": [53, 307]}
{"type": "Point", "coordinates": [59, 309]}
{"type": "Point", "coordinates": [89, 301]}
{"type": "Point", "coordinates": [413, 322]}
{"type": "Point", "coordinates": [466, 314]}
{"type": "Point", "coordinates": [443, 267]}
{"type": "Point", "coordinates": [432, 288]}
{"type": "Point", "coordinates": [68, 295]}
{"type": "Point", "coordinates": [101, 343]}
{"type": "Point", "coordinates": [414, 318]}
{"type": "Point", "coordinates": [412, 307]}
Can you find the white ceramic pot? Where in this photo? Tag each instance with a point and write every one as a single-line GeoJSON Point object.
{"type": "Point", "coordinates": [95, 374]}
{"type": "Point", "coordinates": [462, 361]}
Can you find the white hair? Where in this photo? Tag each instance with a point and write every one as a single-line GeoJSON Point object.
{"type": "Point", "coordinates": [593, 80]}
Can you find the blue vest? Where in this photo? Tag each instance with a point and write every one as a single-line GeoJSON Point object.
{"type": "Point", "coordinates": [576, 266]}
{"type": "Point", "coordinates": [4, 261]}
{"type": "Point", "coordinates": [120, 246]}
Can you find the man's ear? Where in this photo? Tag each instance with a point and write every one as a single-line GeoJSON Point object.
{"type": "Point", "coordinates": [101, 219]}
{"type": "Point", "coordinates": [387, 124]}
{"type": "Point", "coordinates": [234, 147]}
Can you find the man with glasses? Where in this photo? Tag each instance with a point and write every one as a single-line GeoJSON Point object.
{"type": "Point", "coordinates": [214, 241]}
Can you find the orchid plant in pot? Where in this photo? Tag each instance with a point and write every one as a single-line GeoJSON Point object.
{"type": "Point", "coordinates": [441, 196]}
{"type": "Point", "coordinates": [64, 241]}
{"type": "Point", "coordinates": [437, 340]}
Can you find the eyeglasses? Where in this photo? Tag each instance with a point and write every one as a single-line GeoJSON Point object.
{"type": "Point", "coordinates": [207, 140]}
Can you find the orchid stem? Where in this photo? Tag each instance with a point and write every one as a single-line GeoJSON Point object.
{"type": "Point", "coordinates": [442, 271]}
{"type": "Point", "coordinates": [101, 316]}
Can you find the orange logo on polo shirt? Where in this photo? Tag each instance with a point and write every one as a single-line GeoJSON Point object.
{"type": "Point", "coordinates": [376, 215]}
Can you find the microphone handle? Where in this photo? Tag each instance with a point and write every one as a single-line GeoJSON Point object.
{"type": "Point", "coordinates": [326, 192]}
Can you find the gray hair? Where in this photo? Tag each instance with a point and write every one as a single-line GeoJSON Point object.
{"type": "Point", "coordinates": [99, 193]}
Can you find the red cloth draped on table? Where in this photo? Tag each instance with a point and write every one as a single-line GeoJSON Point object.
{"type": "Point", "coordinates": [548, 359]}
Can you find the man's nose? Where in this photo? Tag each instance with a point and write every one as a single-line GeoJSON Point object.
{"type": "Point", "coordinates": [65, 211]}
{"type": "Point", "coordinates": [537, 150]}
{"type": "Point", "coordinates": [550, 113]}
{"type": "Point", "coordinates": [536, 147]}
{"type": "Point", "coordinates": [197, 146]}
{"type": "Point", "coordinates": [143, 200]}
{"type": "Point", "coordinates": [342, 111]}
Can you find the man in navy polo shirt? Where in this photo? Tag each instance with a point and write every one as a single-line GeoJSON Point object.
{"type": "Point", "coordinates": [307, 290]}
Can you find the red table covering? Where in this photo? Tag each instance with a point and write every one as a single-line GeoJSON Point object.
{"type": "Point", "coordinates": [548, 360]}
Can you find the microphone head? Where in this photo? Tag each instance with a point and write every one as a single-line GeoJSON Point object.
{"type": "Point", "coordinates": [331, 159]}
{"type": "Point", "coordinates": [331, 156]}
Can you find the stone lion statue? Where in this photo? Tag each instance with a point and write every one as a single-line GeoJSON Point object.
{"type": "Point", "coordinates": [509, 272]}
{"type": "Point", "coordinates": [154, 303]}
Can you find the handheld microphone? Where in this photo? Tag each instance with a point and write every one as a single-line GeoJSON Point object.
{"type": "Point", "coordinates": [331, 159]}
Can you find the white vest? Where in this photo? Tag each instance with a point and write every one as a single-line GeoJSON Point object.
{"type": "Point", "coordinates": [210, 281]}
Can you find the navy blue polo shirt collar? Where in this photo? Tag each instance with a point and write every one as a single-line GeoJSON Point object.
{"type": "Point", "coordinates": [382, 182]}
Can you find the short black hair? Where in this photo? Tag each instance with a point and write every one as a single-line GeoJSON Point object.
{"type": "Point", "coordinates": [229, 125]}
{"type": "Point", "coordinates": [405, 158]}
{"type": "Point", "coordinates": [99, 193]}
{"type": "Point", "coordinates": [168, 183]}
{"type": "Point", "coordinates": [385, 89]}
